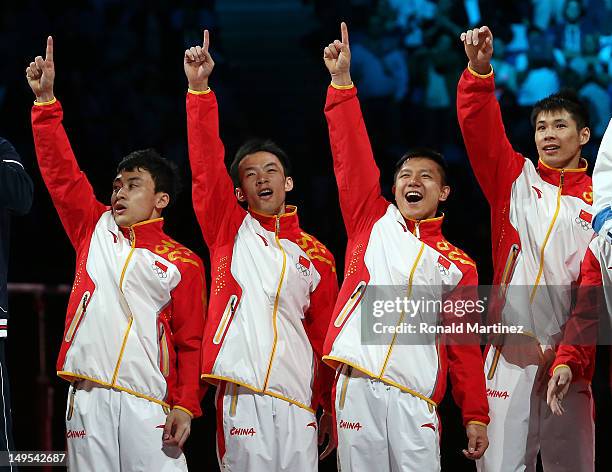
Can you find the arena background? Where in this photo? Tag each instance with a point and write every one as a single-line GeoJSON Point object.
{"type": "Point", "coordinates": [120, 78]}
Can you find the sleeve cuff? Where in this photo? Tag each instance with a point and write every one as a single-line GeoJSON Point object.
{"type": "Point", "coordinates": [177, 407]}
{"type": "Point", "coordinates": [477, 422]}
{"type": "Point", "coordinates": [42, 104]}
{"type": "Point", "coordinates": [481, 76]}
{"type": "Point", "coordinates": [560, 365]}
{"type": "Point", "coordinates": [343, 87]}
{"type": "Point", "coordinates": [199, 92]}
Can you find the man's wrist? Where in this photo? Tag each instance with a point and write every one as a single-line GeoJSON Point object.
{"type": "Point", "coordinates": [45, 98]}
{"type": "Point", "coordinates": [481, 69]}
{"type": "Point", "coordinates": [199, 86]}
{"type": "Point", "coordinates": [343, 80]}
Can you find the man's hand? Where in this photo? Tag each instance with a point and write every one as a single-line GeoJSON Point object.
{"type": "Point", "coordinates": [198, 64]}
{"type": "Point", "coordinates": [326, 428]}
{"type": "Point", "coordinates": [478, 44]}
{"type": "Point", "coordinates": [337, 57]}
{"type": "Point", "coordinates": [477, 441]}
{"type": "Point", "coordinates": [41, 74]}
{"type": "Point", "coordinates": [177, 428]}
{"type": "Point", "coordinates": [558, 385]}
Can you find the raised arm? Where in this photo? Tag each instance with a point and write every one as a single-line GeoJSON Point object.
{"type": "Point", "coordinates": [15, 183]}
{"type": "Point", "coordinates": [356, 172]}
{"type": "Point", "coordinates": [495, 163]}
{"type": "Point", "coordinates": [215, 205]}
{"type": "Point", "coordinates": [70, 190]}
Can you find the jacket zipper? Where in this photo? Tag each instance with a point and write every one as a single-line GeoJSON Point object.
{"type": "Point", "coordinates": [131, 316]}
{"type": "Point", "coordinates": [276, 301]}
{"type": "Point", "coordinates": [409, 294]}
{"type": "Point", "coordinates": [552, 223]}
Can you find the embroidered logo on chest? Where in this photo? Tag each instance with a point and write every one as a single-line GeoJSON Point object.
{"type": "Point", "coordinates": [160, 269]}
{"type": "Point", "coordinates": [303, 266]}
{"type": "Point", "coordinates": [584, 219]}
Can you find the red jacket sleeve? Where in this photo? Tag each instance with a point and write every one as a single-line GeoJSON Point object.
{"type": "Point", "coordinates": [357, 175]}
{"type": "Point", "coordinates": [318, 316]}
{"type": "Point", "coordinates": [70, 190]}
{"type": "Point", "coordinates": [577, 350]}
{"type": "Point", "coordinates": [214, 202]}
{"type": "Point", "coordinates": [495, 163]}
{"type": "Point", "coordinates": [187, 324]}
{"type": "Point", "coordinates": [465, 361]}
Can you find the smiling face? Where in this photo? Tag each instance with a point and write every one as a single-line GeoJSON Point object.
{"type": "Point", "coordinates": [263, 184]}
{"type": "Point", "coordinates": [419, 188]}
{"type": "Point", "coordinates": [558, 139]}
{"type": "Point", "coordinates": [134, 198]}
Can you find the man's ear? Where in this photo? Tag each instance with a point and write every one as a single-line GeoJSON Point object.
{"type": "Point", "coordinates": [444, 193]}
{"type": "Point", "coordinates": [585, 135]}
{"type": "Point", "coordinates": [288, 184]}
{"type": "Point", "coordinates": [162, 200]}
{"type": "Point", "coordinates": [240, 195]}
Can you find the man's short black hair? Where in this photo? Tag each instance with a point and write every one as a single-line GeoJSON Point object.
{"type": "Point", "coordinates": [259, 145]}
{"type": "Point", "coordinates": [163, 172]}
{"type": "Point", "coordinates": [567, 100]}
{"type": "Point", "coordinates": [423, 153]}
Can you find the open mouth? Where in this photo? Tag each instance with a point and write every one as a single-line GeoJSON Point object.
{"type": "Point", "coordinates": [265, 193]}
{"type": "Point", "coordinates": [119, 209]}
{"type": "Point", "coordinates": [413, 196]}
{"type": "Point", "coordinates": [550, 148]}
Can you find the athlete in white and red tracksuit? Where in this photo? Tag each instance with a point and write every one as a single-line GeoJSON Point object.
{"type": "Point", "coordinates": [387, 393]}
{"type": "Point", "coordinates": [540, 224]}
{"type": "Point", "coordinates": [594, 299]}
{"type": "Point", "coordinates": [131, 345]}
{"type": "Point", "coordinates": [273, 291]}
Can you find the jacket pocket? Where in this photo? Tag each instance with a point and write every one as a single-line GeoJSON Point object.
{"type": "Point", "coordinates": [229, 311]}
{"type": "Point", "coordinates": [509, 269]}
{"type": "Point", "coordinates": [164, 352]}
{"type": "Point", "coordinates": [351, 304]}
{"type": "Point", "coordinates": [80, 313]}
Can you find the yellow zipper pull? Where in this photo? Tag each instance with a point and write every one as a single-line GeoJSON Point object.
{"type": "Point", "coordinates": [277, 225]}
{"type": "Point", "coordinates": [562, 178]}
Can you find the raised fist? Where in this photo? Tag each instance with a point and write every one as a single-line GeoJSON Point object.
{"type": "Point", "coordinates": [41, 74]}
{"type": "Point", "coordinates": [198, 64]}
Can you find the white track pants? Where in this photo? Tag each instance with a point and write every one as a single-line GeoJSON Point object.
{"type": "Point", "coordinates": [383, 429]}
{"type": "Point", "coordinates": [109, 430]}
{"type": "Point", "coordinates": [261, 433]}
{"type": "Point", "coordinates": [522, 423]}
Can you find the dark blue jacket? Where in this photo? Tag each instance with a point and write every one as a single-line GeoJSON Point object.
{"type": "Point", "coordinates": [15, 196]}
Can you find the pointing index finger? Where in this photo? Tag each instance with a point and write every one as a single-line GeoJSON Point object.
{"type": "Point", "coordinates": [344, 33]}
{"type": "Point", "coordinates": [206, 41]}
{"type": "Point", "coordinates": [49, 52]}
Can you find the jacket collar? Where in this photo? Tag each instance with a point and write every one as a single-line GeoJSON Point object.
{"type": "Point", "coordinates": [143, 230]}
{"type": "Point", "coordinates": [571, 177]}
{"type": "Point", "coordinates": [430, 228]}
{"type": "Point", "coordinates": [278, 223]}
